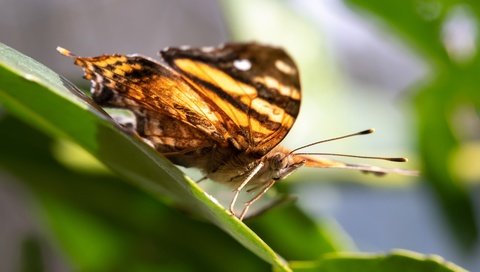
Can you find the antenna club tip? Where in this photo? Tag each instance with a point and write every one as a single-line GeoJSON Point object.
{"type": "Point", "coordinates": [399, 159]}
{"type": "Point", "coordinates": [368, 131]}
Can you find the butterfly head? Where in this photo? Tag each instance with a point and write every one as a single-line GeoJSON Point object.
{"type": "Point", "coordinates": [282, 163]}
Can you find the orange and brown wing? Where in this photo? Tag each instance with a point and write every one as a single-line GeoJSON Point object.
{"type": "Point", "coordinates": [180, 143]}
{"type": "Point", "coordinates": [255, 86]}
{"type": "Point", "coordinates": [143, 85]}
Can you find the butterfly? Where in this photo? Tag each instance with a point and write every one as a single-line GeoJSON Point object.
{"type": "Point", "coordinates": [223, 110]}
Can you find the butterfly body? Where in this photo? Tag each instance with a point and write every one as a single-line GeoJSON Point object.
{"type": "Point", "coordinates": [276, 165]}
{"type": "Point", "coordinates": [221, 109]}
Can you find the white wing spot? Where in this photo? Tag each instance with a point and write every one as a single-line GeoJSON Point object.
{"type": "Point", "coordinates": [285, 68]}
{"type": "Point", "coordinates": [185, 47]}
{"type": "Point", "coordinates": [242, 64]}
{"type": "Point", "coordinates": [207, 49]}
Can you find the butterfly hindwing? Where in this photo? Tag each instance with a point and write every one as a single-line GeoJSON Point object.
{"type": "Point", "coordinates": [180, 143]}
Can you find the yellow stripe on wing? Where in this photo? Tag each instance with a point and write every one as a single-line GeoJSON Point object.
{"type": "Point", "coordinates": [244, 93]}
{"type": "Point", "coordinates": [215, 76]}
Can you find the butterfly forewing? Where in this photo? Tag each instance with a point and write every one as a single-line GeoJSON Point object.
{"type": "Point", "coordinates": [255, 86]}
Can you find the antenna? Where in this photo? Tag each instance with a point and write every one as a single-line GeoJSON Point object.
{"type": "Point", "coordinates": [363, 132]}
{"type": "Point", "coordinates": [356, 156]}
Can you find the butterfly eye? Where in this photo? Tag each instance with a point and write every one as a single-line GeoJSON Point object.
{"type": "Point", "coordinates": [278, 161]}
{"type": "Point", "coordinates": [242, 64]}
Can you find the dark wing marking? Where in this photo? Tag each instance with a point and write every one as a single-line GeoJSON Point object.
{"type": "Point", "coordinates": [143, 84]}
{"type": "Point", "coordinates": [256, 86]}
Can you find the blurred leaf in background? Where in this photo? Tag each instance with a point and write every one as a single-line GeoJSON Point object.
{"type": "Point", "coordinates": [444, 33]}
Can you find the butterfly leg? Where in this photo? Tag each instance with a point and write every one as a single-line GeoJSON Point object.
{"type": "Point", "coordinates": [282, 200]}
{"type": "Point", "coordinates": [254, 188]}
{"type": "Point", "coordinates": [201, 179]}
{"type": "Point", "coordinates": [257, 197]}
{"type": "Point", "coordinates": [242, 185]}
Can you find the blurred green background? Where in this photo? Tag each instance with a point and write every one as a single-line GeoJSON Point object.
{"type": "Point", "coordinates": [409, 69]}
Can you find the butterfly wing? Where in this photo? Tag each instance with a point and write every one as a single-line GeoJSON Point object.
{"type": "Point", "coordinates": [244, 95]}
{"type": "Point", "coordinates": [255, 86]}
{"type": "Point", "coordinates": [143, 85]}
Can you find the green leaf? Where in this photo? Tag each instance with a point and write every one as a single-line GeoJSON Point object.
{"type": "Point", "coordinates": [42, 98]}
{"type": "Point", "coordinates": [433, 112]}
{"type": "Point", "coordinates": [398, 260]}
{"type": "Point", "coordinates": [309, 241]}
{"type": "Point", "coordinates": [31, 259]}
{"type": "Point", "coordinates": [417, 22]}
{"type": "Point", "coordinates": [102, 224]}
